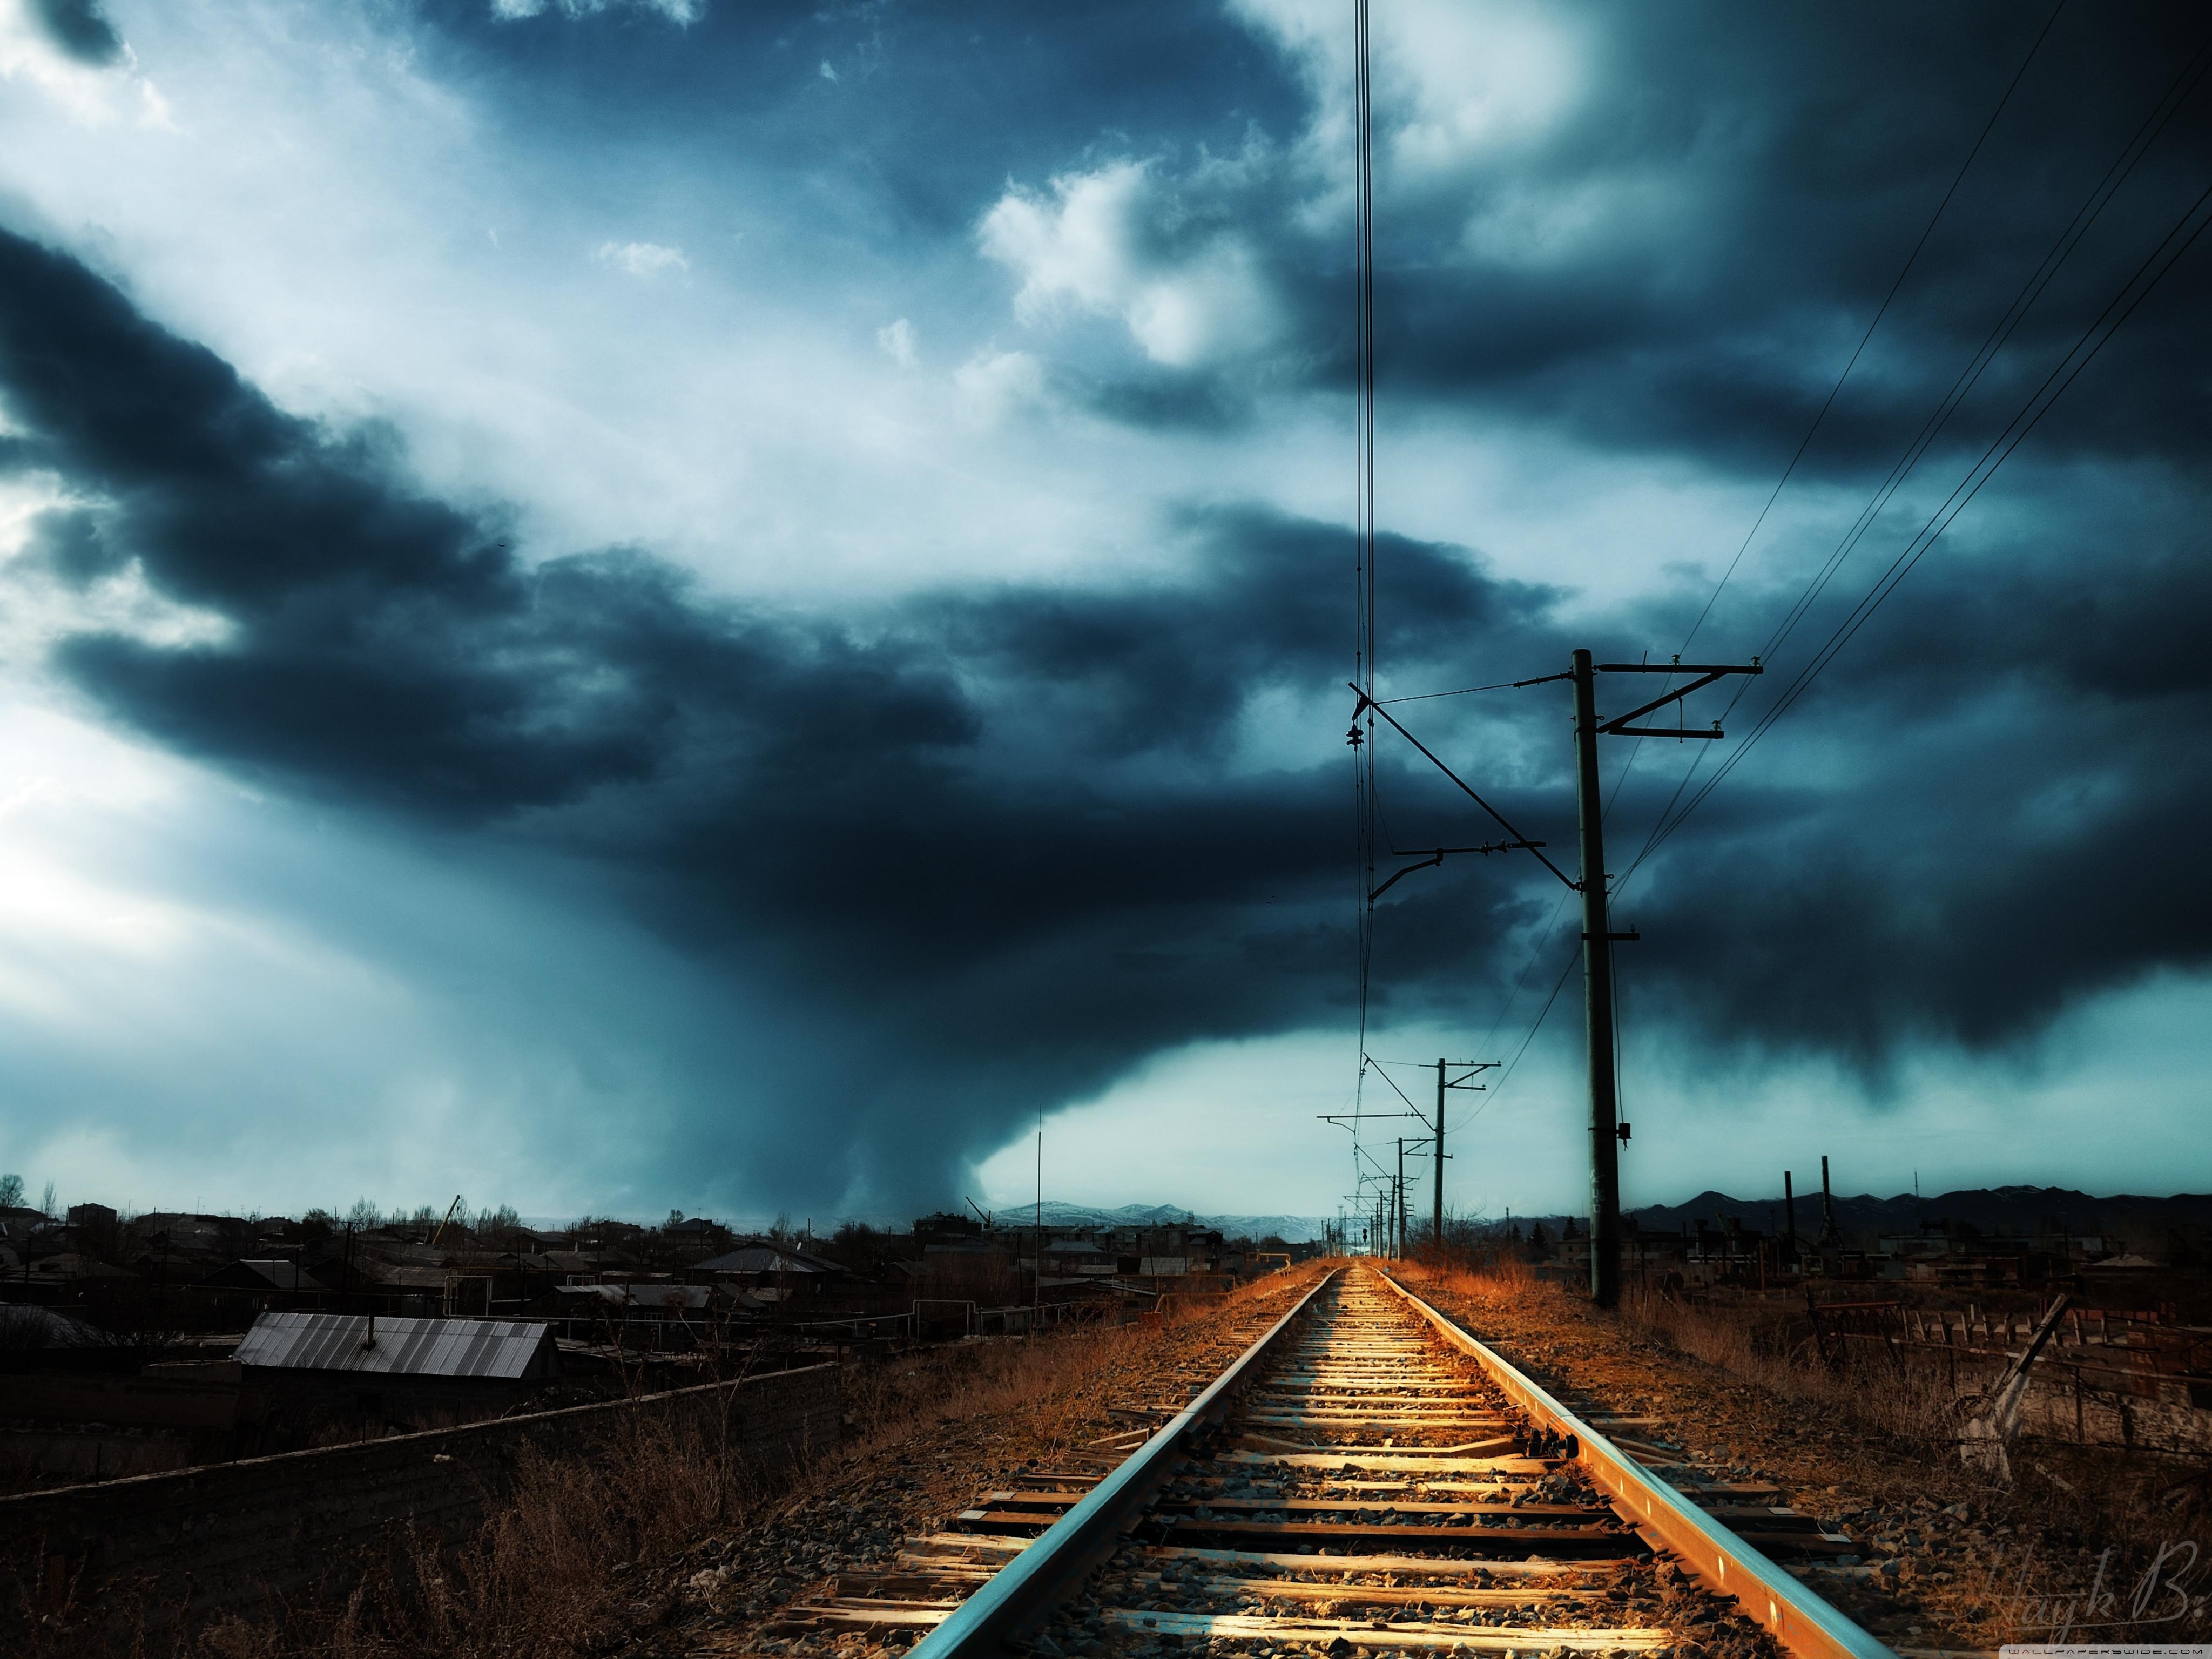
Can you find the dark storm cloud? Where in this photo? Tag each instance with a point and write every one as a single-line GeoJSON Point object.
{"type": "Point", "coordinates": [1680, 265]}
{"type": "Point", "coordinates": [989, 832]}
{"type": "Point", "coordinates": [1683, 263]}
{"type": "Point", "coordinates": [998, 841]}
{"type": "Point", "coordinates": [80, 28]}
{"type": "Point", "coordinates": [1975, 817]}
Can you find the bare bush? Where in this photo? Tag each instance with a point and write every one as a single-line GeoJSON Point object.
{"type": "Point", "coordinates": [563, 1566]}
{"type": "Point", "coordinates": [2071, 1513]}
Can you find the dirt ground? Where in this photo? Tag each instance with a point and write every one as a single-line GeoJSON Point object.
{"type": "Point", "coordinates": [660, 1558]}
{"type": "Point", "coordinates": [2085, 1545]}
{"type": "Point", "coordinates": [896, 1482]}
{"type": "Point", "coordinates": [724, 1596]}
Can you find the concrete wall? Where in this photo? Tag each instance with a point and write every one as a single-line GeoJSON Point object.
{"type": "Point", "coordinates": [228, 1535]}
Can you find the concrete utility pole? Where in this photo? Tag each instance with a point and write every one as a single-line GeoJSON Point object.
{"type": "Point", "coordinates": [1607, 1131]}
{"type": "Point", "coordinates": [1597, 942]}
{"type": "Point", "coordinates": [1444, 1082]}
{"type": "Point", "coordinates": [1398, 1201]}
{"type": "Point", "coordinates": [1597, 999]}
{"type": "Point", "coordinates": [1790, 1215]}
{"type": "Point", "coordinates": [1437, 1220]}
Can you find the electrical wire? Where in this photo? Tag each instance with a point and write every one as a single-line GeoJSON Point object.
{"type": "Point", "coordinates": [1365, 807]}
{"type": "Point", "coordinates": [1880, 311]}
{"type": "Point", "coordinates": [1535, 955]}
{"type": "Point", "coordinates": [2031, 288]}
{"type": "Point", "coordinates": [1669, 820]}
{"type": "Point", "coordinates": [2025, 421]}
{"type": "Point", "coordinates": [1396, 1090]}
{"type": "Point", "coordinates": [1513, 1065]}
{"type": "Point", "coordinates": [1805, 442]}
{"type": "Point", "coordinates": [1423, 696]}
{"type": "Point", "coordinates": [2015, 432]}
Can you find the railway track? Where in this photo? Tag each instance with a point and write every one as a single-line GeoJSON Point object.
{"type": "Point", "coordinates": [1365, 1476]}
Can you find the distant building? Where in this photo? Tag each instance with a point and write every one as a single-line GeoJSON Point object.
{"type": "Point", "coordinates": [1077, 1257]}
{"type": "Point", "coordinates": [773, 1270]}
{"type": "Point", "coordinates": [946, 1228]}
{"type": "Point", "coordinates": [264, 1275]}
{"type": "Point", "coordinates": [663, 1298]}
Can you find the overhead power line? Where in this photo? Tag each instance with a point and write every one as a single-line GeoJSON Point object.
{"type": "Point", "coordinates": [1365, 810]}
{"type": "Point", "coordinates": [1880, 311]}
{"type": "Point", "coordinates": [2138, 287]}
{"type": "Point", "coordinates": [1820, 414]}
{"type": "Point", "coordinates": [1423, 696]}
{"type": "Point", "coordinates": [2031, 288]}
{"type": "Point", "coordinates": [1544, 938]}
{"type": "Point", "coordinates": [1535, 1026]}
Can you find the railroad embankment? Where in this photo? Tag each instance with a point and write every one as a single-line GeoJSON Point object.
{"type": "Point", "coordinates": [343, 1541]}
{"type": "Point", "coordinates": [1323, 1473]}
{"type": "Point", "coordinates": [2087, 1543]}
{"type": "Point", "coordinates": [921, 1448]}
{"type": "Point", "coordinates": [656, 1532]}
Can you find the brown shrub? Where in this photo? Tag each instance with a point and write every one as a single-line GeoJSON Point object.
{"type": "Point", "coordinates": [2069, 1510]}
{"type": "Point", "coordinates": [560, 1570]}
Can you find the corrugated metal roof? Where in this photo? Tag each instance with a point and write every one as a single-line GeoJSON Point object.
{"type": "Point", "coordinates": [404, 1346]}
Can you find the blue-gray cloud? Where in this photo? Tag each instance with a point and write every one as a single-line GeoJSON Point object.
{"type": "Point", "coordinates": [1000, 832]}
{"type": "Point", "coordinates": [80, 28]}
{"type": "Point", "coordinates": [985, 848]}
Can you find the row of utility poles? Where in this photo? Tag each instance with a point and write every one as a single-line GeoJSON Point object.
{"type": "Point", "coordinates": [1392, 1212]}
{"type": "Point", "coordinates": [1607, 1131]}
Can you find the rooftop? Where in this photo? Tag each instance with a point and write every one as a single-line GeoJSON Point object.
{"type": "Point", "coordinates": [514, 1349]}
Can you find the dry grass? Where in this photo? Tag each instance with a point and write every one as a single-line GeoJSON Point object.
{"type": "Point", "coordinates": [548, 1573]}
{"type": "Point", "coordinates": [918, 1467]}
{"type": "Point", "coordinates": [1046, 1387]}
{"type": "Point", "coordinates": [1050, 1392]}
{"type": "Point", "coordinates": [574, 1559]}
{"type": "Point", "coordinates": [1910, 1406]}
{"type": "Point", "coordinates": [1868, 1439]}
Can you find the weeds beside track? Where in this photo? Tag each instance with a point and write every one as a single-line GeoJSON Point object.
{"type": "Point", "coordinates": [1954, 1562]}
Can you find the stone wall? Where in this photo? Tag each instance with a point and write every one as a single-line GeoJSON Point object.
{"type": "Point", "coordinates": [229, 1535]}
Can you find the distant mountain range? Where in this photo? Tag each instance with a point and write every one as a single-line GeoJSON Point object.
{"type": "Point", "coordinates": [2004, 1210]}
{"type": "Point", "coordinates": [1292, 1229]}
{"type": "Point", "coordinates": [1994, 1210]}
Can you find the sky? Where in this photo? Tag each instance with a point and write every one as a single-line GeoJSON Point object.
{"type": "Point", "coordinates": [629, 605]}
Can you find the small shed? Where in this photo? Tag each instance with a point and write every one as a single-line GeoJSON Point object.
{"type": "Point", "coordinates": [505, 1349]}
{"type": "Point", "coordinates": [759, 1256]}
{"type": "Point", "coordinates": [770, 1268]}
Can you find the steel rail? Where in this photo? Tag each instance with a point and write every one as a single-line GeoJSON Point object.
{"type": "Point", "coordinates": [1052, 1569]}
{"type": "Point", "coordinates": [1799, 1619]}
